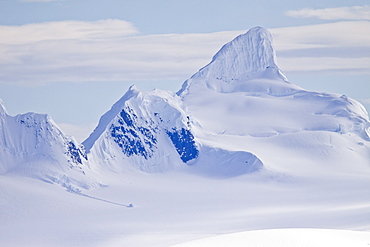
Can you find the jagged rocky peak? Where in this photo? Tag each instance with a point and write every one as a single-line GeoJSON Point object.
{"type": "Point", "coordinates": [150, 130]}
{"type": "Point", "coordinates": [249, 53]}
{"type": "Point", "coordinates": [153, 131]}
{"type": "Point", "coordinates": [109, 116]}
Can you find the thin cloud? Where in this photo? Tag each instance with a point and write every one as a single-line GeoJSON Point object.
{"type": "Point", "coordinates": [341, 46]}
{"type": "Point", "coordinates": [339, 34]}
{"type": "Point", "coordinates": [341, 13]}
{"type": "Point", "coordinates": [64, 30]}
{"type": "Point", "coordinates": [312, 64]}
{"type": "Point", "coordinates": [92, 54]}
{"type": "Point", "coordinates": [112, 50]}
{"type": "Point", "coordinates": [365, 101]}
{"type": "Point", "coordinates": [79, 132]}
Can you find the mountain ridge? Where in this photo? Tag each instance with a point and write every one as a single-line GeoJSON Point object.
{"type": "Point", "coordinates": [248, 56]}
{"type": "Point", "coordinates": [33, 145]}
{"type": "Point", "coordinates": [219, 124]}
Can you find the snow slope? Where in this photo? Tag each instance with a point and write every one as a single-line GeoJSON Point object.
{"type": "Point", "coordinates": [287, 238]}
{"type": "Point", "coordinates": [227, 116]}
{"type": "Point", "coordinates": [153, 131]}
{"type": "Point", "coordinates": [147, 130]}
{"type": "Point", "coordinates": [175, 207]}
{"type": "Point", "coordinates": [237, 149]}
{"type": "Point", "coordinates": [32, 145]}
{"type": "Point", "coordinates": [256, 109]}
{"type": "Point", "coordinates": [248, 56]}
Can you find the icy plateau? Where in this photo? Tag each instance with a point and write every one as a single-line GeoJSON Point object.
{"type": "Point", "coordinates": [224, 122]}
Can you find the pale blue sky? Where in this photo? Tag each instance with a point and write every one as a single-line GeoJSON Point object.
{"type": "Point", "coordinates": [73, 59]}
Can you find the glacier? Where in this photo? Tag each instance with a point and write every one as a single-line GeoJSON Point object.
{"type": "Point", "coordinates": [237, 148]}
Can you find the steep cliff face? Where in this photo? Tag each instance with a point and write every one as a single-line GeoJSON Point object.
{"type": "Point", "coordinates": [249, 56]}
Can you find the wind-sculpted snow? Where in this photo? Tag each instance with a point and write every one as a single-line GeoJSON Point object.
{"type": "Point", "coordinates": [32, 145]}
{"type": "Point", "coordinates": [249, 56]}
{"type": "Point", "coordinates": [221, 163]}
{"type": "Point", "coordinates": [345, 115]}
{"type": "Point", "coordinates": [2, 109]}
{"type": "Point", "coordinates": [243, 102]}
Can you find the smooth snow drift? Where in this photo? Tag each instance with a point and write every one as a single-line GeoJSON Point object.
{"type": "Point", "coordinates": [286, 238]}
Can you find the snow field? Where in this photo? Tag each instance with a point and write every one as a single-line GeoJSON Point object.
{"type": "Point", "coordinates": [271, 156]}
{"type": "Point", "coordinates": [286, 238]}
{"type": "Point", "coordinates": [175, 207]}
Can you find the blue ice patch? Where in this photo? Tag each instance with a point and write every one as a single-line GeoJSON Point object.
{"type": "Point", "coordinates": [131, 139]}
{"type": "Point", "coordinates": [76, 153]}
{"type": "Point", "coordinates": [183, 140]}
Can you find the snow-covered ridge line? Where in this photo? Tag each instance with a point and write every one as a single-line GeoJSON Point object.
{"type": "Point", "coordinates": [219, 124]}
{"type": "Point", "coordinates": [148, 130]}
{"type": "Point", "coordinates": [251, 52]}
{"type": "Point", "coordinates": [223, 156]}
{"type": "Point", "coordinates": [33, 145]}
{"type": "Point", "coordinates": [108, 117]}
{"type": "Point", "coordinates": [250, 55]}
{"type": "Point", "coordinates": [2, 108]}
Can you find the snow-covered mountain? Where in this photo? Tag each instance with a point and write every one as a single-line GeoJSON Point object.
{"type": "Point", "coordinates": [248, 56]}
{"type": "Point", "coordinates": [293, 158]}
{"type": "Point", "coordinates": [236, 115]}
{"type": "Point", "coordinates": [32, 145]}
{"type": "Point", "coordinates": [149, 130]}
{"type": "Point", "coordinates": [242, 101]}
{"type": "Point", "coordinates": [239, 114]}
{"type": "Point", "coordinates": [153, 131]}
